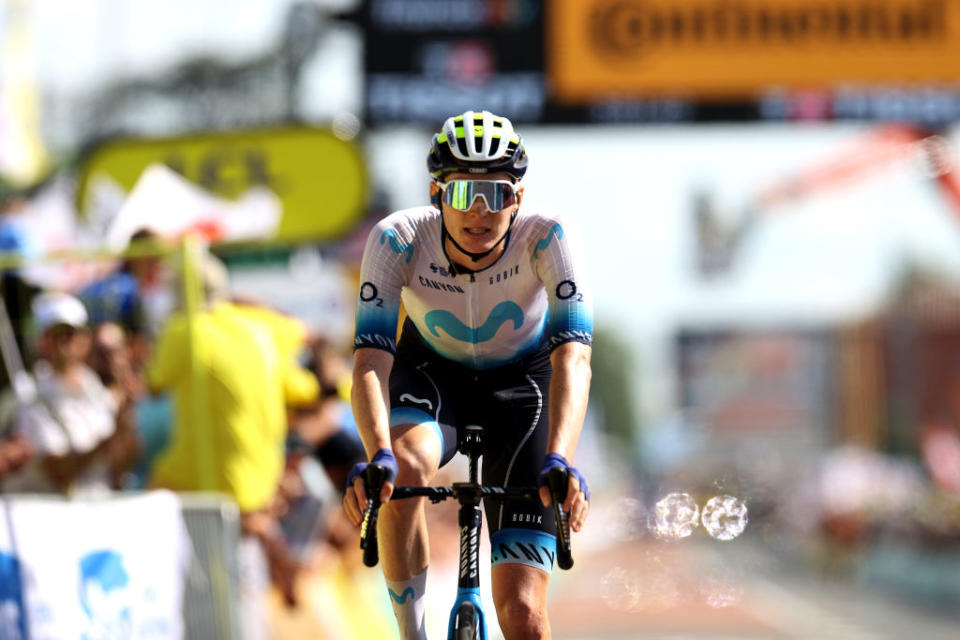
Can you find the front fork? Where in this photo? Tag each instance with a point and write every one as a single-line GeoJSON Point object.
{"type": "Point", "coordinates": [470, 520]}
{"type": "Point", "coordinates": [468, 595]}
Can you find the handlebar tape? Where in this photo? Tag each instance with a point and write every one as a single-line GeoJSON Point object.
{"type": "Point", "coordinates": [373, 478]}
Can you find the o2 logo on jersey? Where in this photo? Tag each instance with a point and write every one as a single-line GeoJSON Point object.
{"type": "Point", "coordinates": [368, 293]}
{"type": "Point", "coordinates": [396, 245]}
{"type": "Point", "coordinates": [568, 289]}
{"type": "Point", "coordinates": [543, 243]}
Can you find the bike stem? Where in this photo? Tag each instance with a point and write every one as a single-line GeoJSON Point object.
{"type": "Point", "coordinates": [471, 446]}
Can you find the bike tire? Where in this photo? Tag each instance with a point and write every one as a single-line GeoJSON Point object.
{"type": "Point", "coordinates": [467, 628]}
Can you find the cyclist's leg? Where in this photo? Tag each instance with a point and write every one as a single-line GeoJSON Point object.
{"type": "Point", "coordinates": [520, 597]}
{"type": "Point", "coordinates": [403, 551]}
{"type": "Point", "coordinates": [521, 532]}
{"type": "Point", "coordinates": [420, 445]}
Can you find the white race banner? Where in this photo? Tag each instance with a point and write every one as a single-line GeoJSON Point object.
{"type": "Point", "coordinates": [92, 570]}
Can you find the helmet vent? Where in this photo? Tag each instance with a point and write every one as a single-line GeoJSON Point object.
{"type": "Point", "coordinates": [462, 146]}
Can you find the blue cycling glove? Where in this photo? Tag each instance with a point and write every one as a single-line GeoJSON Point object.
{"type": "Point", "coordinates": [556, 460]}
{"type": "Point", "coordinates": [383, 457]}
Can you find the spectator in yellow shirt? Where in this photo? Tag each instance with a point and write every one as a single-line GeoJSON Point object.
{"type": "Point", "coordinates": [226, 375]}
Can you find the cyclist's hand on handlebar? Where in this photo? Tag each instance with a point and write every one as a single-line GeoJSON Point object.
{"type": "Point", "coordinates": [577, 501]}
{"type": "Point", "coordinates": [355, 499]}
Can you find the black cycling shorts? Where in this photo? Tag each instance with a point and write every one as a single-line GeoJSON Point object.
{"type": "Point", "coordinates": [510, 403]}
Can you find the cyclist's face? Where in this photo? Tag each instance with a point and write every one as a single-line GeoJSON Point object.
{"type": "Point", "coordinates": [478, 229]}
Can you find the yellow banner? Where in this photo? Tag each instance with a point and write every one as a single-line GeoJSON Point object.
{"type": "Point", "coordinates": [600, 49]}
{"type": "Point", "coordinates": [320, 179]}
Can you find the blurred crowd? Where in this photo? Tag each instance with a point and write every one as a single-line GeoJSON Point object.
{"type": "Point", "coordinates": [116, 387]}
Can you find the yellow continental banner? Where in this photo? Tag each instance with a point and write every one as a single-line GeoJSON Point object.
{"type": "Point", "coordinates": [320, 179]}
{"type": "Point", "coordinates": [726, 48]}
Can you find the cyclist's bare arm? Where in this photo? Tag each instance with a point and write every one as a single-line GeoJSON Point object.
{"type": "Point", "coordinates": [569, 390]}
{"type": "Point", "coordinates": [371, 407]}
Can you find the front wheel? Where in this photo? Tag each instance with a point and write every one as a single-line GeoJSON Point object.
{"type": "Point", "coordinates": [466, 626]}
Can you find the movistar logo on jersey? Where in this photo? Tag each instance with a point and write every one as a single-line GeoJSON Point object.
{"type": "Point", "coordinates": [543, 243]}
{"type": "Point", "coordinates": [504, 312]}
{"type": "Point", "coordinates": [396, 245]}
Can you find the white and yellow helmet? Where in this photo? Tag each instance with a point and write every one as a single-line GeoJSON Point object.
{"type": "Point", "coordinates": [477, 142]}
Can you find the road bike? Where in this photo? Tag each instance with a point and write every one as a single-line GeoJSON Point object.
{"type": "Point", "coordinates": [467, 619]}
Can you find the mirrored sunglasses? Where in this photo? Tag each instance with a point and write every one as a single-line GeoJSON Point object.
{"type": "Point", "coordinates": [496, 194]}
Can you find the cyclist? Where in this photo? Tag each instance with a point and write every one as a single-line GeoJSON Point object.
{"type": "Point", "coordinates": [498, 333]}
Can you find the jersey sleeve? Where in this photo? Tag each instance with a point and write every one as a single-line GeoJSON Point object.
{"type": "Point", "coordinates": [386, 264]}
{"type": "Point", "coordinates": [558, 262]}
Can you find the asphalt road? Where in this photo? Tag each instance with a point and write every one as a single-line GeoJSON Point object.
{"type": "Point", "coordinates": [628, 584]}
{"type": "Point", "coordinates": [704, 589]}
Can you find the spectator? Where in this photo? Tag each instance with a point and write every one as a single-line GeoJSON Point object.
{"type": "Point", "coordinates": [15, 449]}
{"type": "Point", "coordinates": [15, 452]}
{"type": "Point", "coordinates": [224, 372]}
{"type": "Point", "coordinates": [111, 359]}
{"type": "Point", "coordinates": [72, 421]}
{"type": "Point", "coordinates": [138, 296]}
{"type": "Point", "coordinates": [322, 447]}
{"type": "Point", "coordinates": [328, 427]}
{"type": "Point", "coordinates": [289, 336]}
{"type": "Point", "coordinates": [940, 454]}
{"type": "Point", "coordinates": [16, 244]}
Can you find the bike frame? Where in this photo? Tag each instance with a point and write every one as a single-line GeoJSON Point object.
{"type": "Point", "coordinates": [470, 519]}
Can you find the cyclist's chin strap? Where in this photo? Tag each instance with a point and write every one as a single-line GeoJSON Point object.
{"type": "Point", "coordinates": [444, 235]}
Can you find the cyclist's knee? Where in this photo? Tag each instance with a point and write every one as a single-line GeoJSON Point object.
{"type": "Point", "coordinates": [522, 619]}
{"type": "Point", "coordinates": [520, 595]}
{"type": "Point", "coordinates": [418, 456]}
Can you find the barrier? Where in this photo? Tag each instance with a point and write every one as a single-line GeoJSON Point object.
{"type": "Point", "coordinates": [152, 565]}
{"type": "Point", "coordinates": [211, 592]}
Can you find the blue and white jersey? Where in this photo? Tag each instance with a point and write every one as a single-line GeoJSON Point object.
{"type": "Point", "coordinates": [534, 294]}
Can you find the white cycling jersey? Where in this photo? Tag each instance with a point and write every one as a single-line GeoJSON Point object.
{"type": "Point", "coordinates": [534, 294]}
